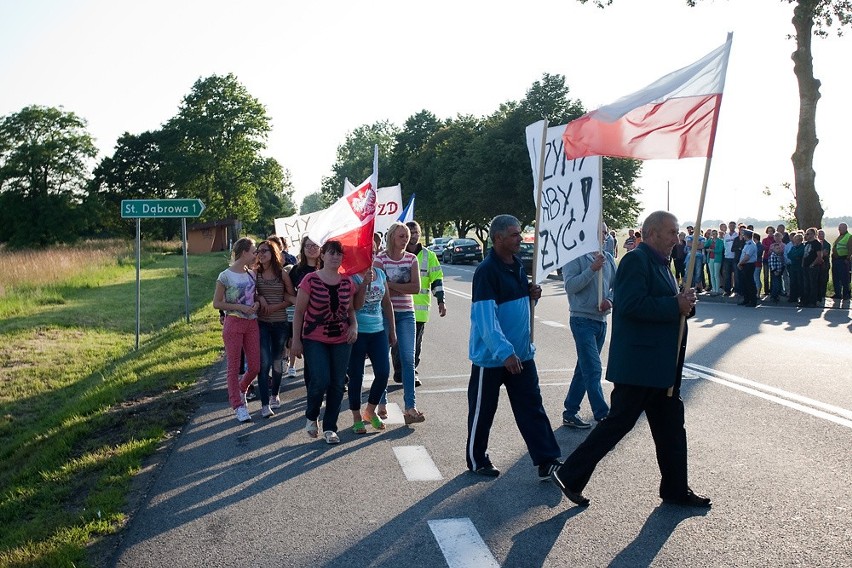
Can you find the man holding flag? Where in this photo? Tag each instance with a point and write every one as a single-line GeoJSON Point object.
{"type": "Point", "coordinates": [674, 117]}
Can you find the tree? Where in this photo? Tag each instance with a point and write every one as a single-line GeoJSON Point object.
{"type": "Point", "coordinates": [355, 158]}
{"type": "Point", "coordinates": [810, 18]}
{"type": "Point", "coordinates": [45, 156]}
{"type": "Point", "coordinates": [216, 139]}
{"type": "Point", "coordinates": [137, 169]}
{"type": "Point", "coordinates": [274, 195]}
{"type": "Point", "coordinates": [311, 203]}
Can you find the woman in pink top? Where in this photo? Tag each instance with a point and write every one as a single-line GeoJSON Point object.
{"type": "Point", "coordinates": [403, 281]}
{"type": "Point", "coordinates": [324, 329]}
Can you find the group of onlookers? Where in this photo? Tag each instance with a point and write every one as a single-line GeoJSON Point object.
{"type": "Point", "coordinates": [276, 308]}
{"type": "Point", "coordinates": [735, 261]}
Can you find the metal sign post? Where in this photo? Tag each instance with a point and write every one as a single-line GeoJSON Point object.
{"type": "Point", "coordinates": [160, 209]}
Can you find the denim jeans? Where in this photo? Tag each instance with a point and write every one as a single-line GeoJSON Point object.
{"type": "Point", "coordinates": [273, 338]}
{"type": "Point", "coordinates": [716, 275]}
{"type": "Point", "coordinates": [840, 276]}
{"type": "Point", "coordinates": [589, 336]}
{"type": "Point", "coordinates": [328, 363]}
{"type": "Point", "coordinates": [405, 337]}
{"type": "Point", "coordinates": [419, 328]}
{"type": "Point", "coordinates": [775, 285]}
{"type": "Point", "coordinates": [374, 345]}
{"type": "Point", "coordinates": [729, 270]}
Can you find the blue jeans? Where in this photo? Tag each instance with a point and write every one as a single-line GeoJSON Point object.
{"type": "Point", "coordinates": [328, 363]}
{"type": "Point", "coordinates": [374, 345]}
{"type": "Point", "coordinates": [273, 338]}
{"type": "Point", "coordinates": [405, 339]}
{"type": "Point", "coordinates": [589, 336]}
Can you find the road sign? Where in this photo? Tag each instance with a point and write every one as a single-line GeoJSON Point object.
{"type": "Point", "coordinates": [160, 208]}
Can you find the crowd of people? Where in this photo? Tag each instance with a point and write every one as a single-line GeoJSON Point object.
{"type": "Point", "coordinates": [736, 260]}
{"type": "Point", "coordinates": [276, 309]}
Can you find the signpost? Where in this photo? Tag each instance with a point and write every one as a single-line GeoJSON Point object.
{"type": "Point", "coordinates": [160, 209]}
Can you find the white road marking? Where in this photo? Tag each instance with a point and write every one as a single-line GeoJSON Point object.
{"type": "Point", "coordinates": [457, 292]}
{"type": "Point", "coordinates": [552, 323]}
{"type": "Point", "coordinates": [394, 414]}
{"type": "Point", "coordinates": [816, 408]}
{"type": "Point", "coordinates": [416, 463]}
{"type": "Point", "coordinates": [461, 544]}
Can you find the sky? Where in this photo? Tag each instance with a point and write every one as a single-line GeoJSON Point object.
{"type": "Point", "coordinates": [323, 69]}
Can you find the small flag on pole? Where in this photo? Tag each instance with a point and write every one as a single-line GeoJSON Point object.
{"type": "Point", "coordinates": [408, 213]}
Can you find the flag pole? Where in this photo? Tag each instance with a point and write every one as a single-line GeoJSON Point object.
{"type": "Point", "coordinates": [600, 231]}
{"type": "Point", "coordinates": [538, 190]}
{"type": "Point", "coordinates": [696, 239]}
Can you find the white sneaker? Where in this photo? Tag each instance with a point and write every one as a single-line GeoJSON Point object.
{"type": "Point", "coordinates": [331, 437]}
{"type": "Point", "coordinates": [291, 372]}
{"type": "Point", "coordinates": [242, 414]}
{"type": "Point", "coordinates": [274, 402]}
{"type": "Point", "coordinates": [266, 412]}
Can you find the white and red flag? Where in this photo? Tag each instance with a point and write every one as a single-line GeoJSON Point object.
{"type": "Point", "coordinates": [350, 220]}
{"type": "Point", "coordinates": [674, 117]}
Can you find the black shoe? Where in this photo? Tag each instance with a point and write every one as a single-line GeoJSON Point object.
{"type": "Point", "coordinates": [691, 499]}
{"type": "Point", "coordinates": [574, 497]}
{"type": "Point", "coordinates": [397, 379]}
{"type": "Point", "coordinates": [417, 383]}
{"type": "Point", "coordinates": [488, 471]}
{"type": "Point", "coordinates": [545, 469]}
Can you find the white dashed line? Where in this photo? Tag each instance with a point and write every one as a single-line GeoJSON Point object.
{"type": "Point", "coordinates": [416, 463]}
{"type": "Point", "coordinates": [461, 544]}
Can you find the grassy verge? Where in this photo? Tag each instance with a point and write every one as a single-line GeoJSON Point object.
{"type": "Point", "coordinates": [80, 409]}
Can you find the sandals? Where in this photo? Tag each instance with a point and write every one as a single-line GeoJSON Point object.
{"type": "Point", "coordinates": [376, 422]}
{"type": "Point", "coordinates": [382, 412]}
{"type": "Point", "coordinates": [413, 416]}
{"type": "Point", "coordinates": [312, 428]}
{"type": "Point", "coordinates": [331, 437]}
{"type": "Point", "coordinates": [359, 428]}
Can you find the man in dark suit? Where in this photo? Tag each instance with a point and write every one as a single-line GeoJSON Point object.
{"type": "Point", "coordinates": [645, 361]}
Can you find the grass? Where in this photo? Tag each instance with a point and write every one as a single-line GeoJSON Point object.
{"type": "Point", "coordinates": [80, 409]}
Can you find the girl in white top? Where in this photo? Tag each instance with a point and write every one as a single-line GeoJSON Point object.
{"type": "Point", "coordinates": [235, 295]}
{"type": "Point", "coordinates": [403, 281]}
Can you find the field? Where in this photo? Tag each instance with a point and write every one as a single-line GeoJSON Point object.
{"type": "Point", "coordinates": [80, 409]}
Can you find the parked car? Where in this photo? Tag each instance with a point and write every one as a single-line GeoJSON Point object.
{"type": "Point", "coordinates": [526, 256]}
{"type": "Point", "coordinates": [438, 245]}
{"type": "Point", "coordinates": [462, 250]}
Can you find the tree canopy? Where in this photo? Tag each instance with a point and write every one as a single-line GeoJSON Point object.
{"type": "Point", "coordinates": [44, 163]}
{"type": "Point", "coordinates": [467, 169]}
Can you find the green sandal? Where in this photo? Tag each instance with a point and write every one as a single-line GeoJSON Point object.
{"type": "Point", "coordinates": [359, 427]}
{"type": "Point", "coordinates": [377, 422]}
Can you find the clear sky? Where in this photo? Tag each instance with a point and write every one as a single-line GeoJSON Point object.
{"type": "Point", "coordinates": [324, 68]}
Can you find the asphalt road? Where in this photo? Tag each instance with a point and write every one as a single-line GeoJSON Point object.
{"type": "Point", "coordinates": [768, 395]}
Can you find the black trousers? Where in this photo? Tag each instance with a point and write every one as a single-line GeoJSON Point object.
{"type": "Point", "coordinates": [665, 417]}
{"type": "Point", "coordinates": [483, 394]}
{"type": "Point", "coordinates": [747, 284]}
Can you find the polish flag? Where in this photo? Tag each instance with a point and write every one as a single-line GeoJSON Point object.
{"type": "Point", "coordinates": [674, 117]}
{"type": "Point", "coordinates": [350, 220]}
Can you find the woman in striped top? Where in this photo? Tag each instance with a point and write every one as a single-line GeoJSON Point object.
{"type": "Point", "coordinates": [403, 281]}
{"type": "Point", "coordinates": [324, 329]}
{"type": "Point", "coordinates": [275, 292]}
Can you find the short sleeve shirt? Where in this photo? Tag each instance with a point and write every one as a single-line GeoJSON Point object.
{"type": "Point", "coordinates": [239, 289]}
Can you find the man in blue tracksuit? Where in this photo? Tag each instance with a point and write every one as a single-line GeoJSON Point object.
{"type": "Point", "coordinates": [502, 354]}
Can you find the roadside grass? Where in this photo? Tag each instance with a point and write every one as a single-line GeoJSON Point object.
{"type": "Point", "coordinates": [80, 409]}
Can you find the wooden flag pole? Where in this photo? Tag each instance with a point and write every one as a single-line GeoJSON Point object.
{"type": "Point", "coordinates": [538, 189]}
{"type": "Point", "coordinates": [696, 237]}
{"type": "Point", "coordinates": [601, 239]}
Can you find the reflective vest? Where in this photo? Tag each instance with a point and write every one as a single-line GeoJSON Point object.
{"type": "Point", "coordinates": [431, 280]}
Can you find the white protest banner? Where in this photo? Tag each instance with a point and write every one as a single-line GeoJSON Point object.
{"type": "Point", "coordinates": [388, 207]}
{"type": "Point", "coordinates": [570, 204]}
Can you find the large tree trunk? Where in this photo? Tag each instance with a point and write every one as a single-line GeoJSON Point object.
{"type": "Point", "coordinates": [808, 209]}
